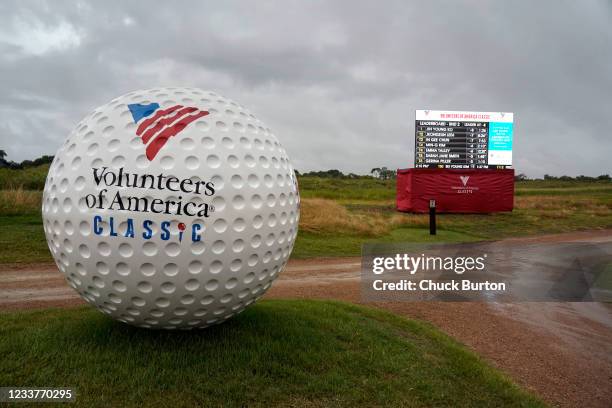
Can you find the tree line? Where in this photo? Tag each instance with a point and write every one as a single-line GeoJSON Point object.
{"type": "Point", "coordinates": [381, 173]}
{"type": "Point", "coordinates": [603, 177]}
{"type": "Point", "coordinates": [9, 164]}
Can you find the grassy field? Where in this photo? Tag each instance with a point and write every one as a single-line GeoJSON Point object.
{"type": "Point", "coordinates": [31, 178]}
{"type": "Point", "coordinates": [276, 353]}
{"type": "Point", "coordinates": [369, 189]}
{"type": "Point", "coordinates": [338, 215]}
{"type": "Point", "coordinates": [281, 353]}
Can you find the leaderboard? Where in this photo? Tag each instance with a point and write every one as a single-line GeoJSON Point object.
{"type": "Point", "coordinates": [463, 140]}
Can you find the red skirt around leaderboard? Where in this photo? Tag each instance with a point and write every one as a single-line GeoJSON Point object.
{"type": "Point", "coordinates": [455, 191]}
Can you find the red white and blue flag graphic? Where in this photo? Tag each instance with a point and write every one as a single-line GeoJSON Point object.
{"type": "Point", "coordinates": [159, 125]}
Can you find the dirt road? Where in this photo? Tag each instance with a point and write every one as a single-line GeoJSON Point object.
{"type": "Point", "coordinates": [561, 351]}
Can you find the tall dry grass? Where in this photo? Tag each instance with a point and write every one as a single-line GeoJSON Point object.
{"type": "Point", "coordinates": [328, 216]}
{"type": "Point", "coordinates": [319, 215]}
{"type": "Point", "coordinates": [20, 202]}
{"type": "Point", "coordinates": [562, 206]}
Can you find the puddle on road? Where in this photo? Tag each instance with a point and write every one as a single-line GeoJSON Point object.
{"type": "Point", "coordinates": [583, 326]}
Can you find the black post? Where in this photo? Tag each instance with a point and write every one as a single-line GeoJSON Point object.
{"type": "Point", "coordinates": [432, 217]}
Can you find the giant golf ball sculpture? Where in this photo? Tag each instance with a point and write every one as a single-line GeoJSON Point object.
{"type": "Point", "coordinates": [171, 208]}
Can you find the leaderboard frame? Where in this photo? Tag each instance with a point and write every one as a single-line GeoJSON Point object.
{"type": "Point", "coordinates": [463, 139]}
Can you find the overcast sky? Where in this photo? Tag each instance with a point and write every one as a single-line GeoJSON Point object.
{"type": "Point", "coordinates": [338, 82]}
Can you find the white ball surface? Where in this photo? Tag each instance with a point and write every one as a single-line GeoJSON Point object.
{"type": "Point", "coordinates": [165, 268]}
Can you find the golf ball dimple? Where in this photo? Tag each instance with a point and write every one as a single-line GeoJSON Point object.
{"type": "Point", "coordinates": [171, 208]}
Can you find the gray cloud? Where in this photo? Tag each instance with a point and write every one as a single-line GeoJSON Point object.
{"type": "Point", "coordinates": [337, 81]}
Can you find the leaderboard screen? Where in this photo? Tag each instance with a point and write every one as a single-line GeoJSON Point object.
{"type": "Point", "coordinates": [463, 140]}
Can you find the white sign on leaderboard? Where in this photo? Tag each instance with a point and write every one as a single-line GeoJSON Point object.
{"type": "Point", "coordinates": [463, 140]}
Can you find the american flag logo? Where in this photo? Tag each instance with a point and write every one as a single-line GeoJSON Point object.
{"type": "Point", "coordinates": [158, 125]}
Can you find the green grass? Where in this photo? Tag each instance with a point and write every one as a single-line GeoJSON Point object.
{"type": "Point", "coordinates": [369, 189]}
{"type": "Point", "coordinates": [276, 353]}
{"type": "Point", "coordinates": [22, 240]}
{"type": "Point", "coordinates": [30, 178]}
{"type": "Point", "coordinates": [343, 189]}
{"type": "Point", "coordinates": [309, 245]}
{"type": "Point", "coordinates": [548, 184]}
{"type": "Point", "coordinates": [593, 190]}
{"type": "Point", "coordinates": [548, 212]}
{"type": "Point", "coordinates": [541, 207]}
